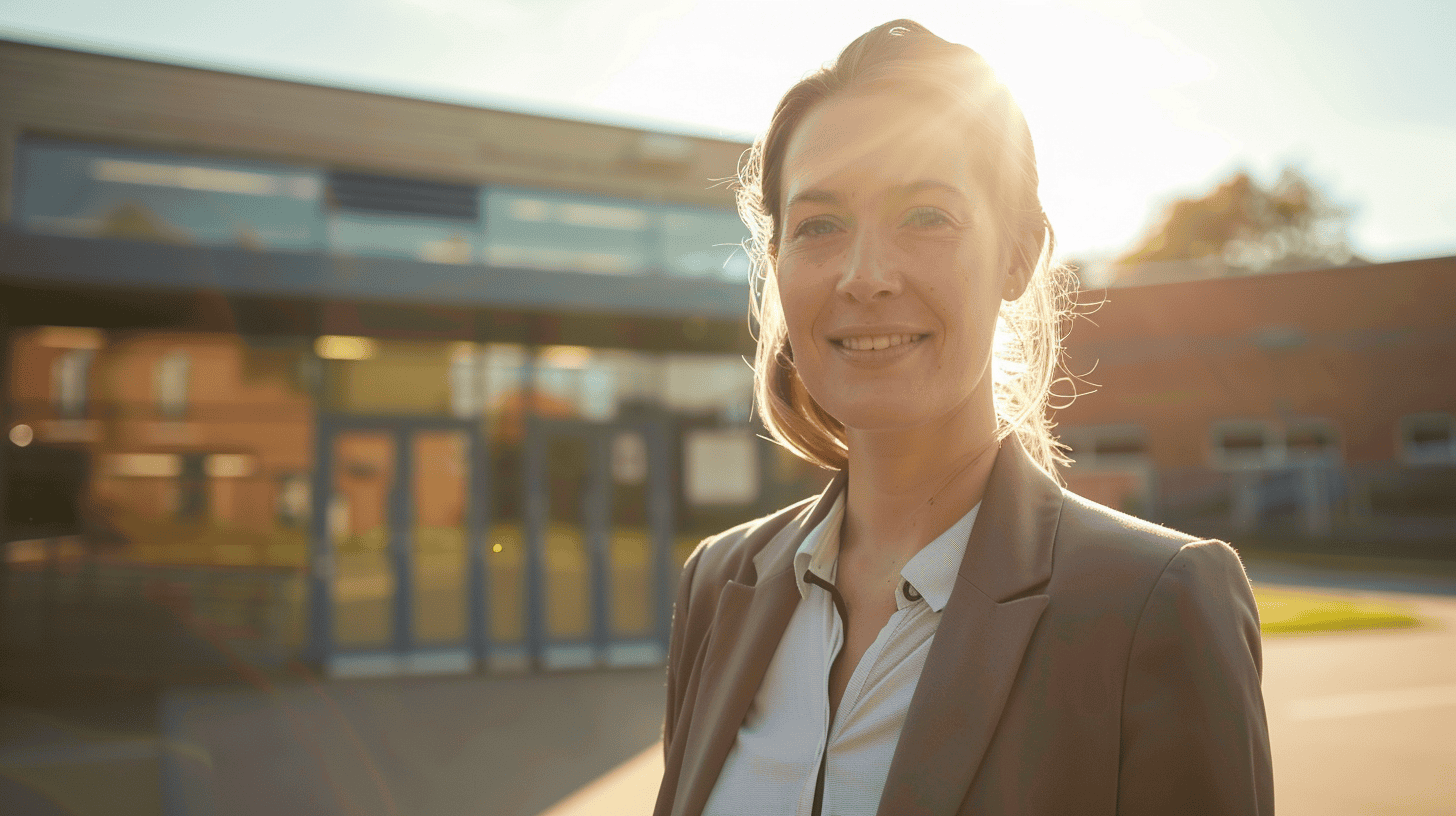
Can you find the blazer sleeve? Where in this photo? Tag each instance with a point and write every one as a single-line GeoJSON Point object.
{"type": "Point", "coordinates": [676, 670]}
{"type": "Point", "coordinates": [1195, 739]}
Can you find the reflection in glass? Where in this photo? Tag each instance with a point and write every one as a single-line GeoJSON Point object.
{"type": "Point", "coordinates": [704, 243]}
{"type": "Point", "coordinates": [568, 588]}
{"type": "Point", "coordinates": [364, 586]}
{"type": "Point", "coordinates": [629, 554]}
{"type": "Point", "coordinates": [403, 236]}
{"type": "Point", "coordinates": [440, 493]}
{"type": "Point", "coordinates": [538, 229]}
{"type": "Point", "coordinates": [501, 366]}
{"type": "Point", "coordinates": [71, 188]}
{"type": "Point", "coordinates": [75, 188]}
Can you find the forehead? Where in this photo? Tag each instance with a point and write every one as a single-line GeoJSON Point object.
{"type": "Point", "coordinates": [855, 144]}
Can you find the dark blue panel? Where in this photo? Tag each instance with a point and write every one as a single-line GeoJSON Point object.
{"type": "Point", "coordinates": [112, 262]}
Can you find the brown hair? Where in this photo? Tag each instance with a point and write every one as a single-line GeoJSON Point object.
{"type": "Point", "coordinates": [904, 58]}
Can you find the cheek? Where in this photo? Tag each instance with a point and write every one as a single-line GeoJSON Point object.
{"type": "Point", "coordinates": [969, 305]}
{"type": "Point", "coordinates": [801, 299]}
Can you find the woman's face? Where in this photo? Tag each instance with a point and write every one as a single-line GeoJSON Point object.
{"type": "Point", "coordinates": [891, 269]}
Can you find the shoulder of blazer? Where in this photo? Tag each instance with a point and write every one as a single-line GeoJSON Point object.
{"type": "Point", "coordinates": [729, 554]}
{"type": "Point", "coordinates": [1092, 524]}
{"type": "Point", "coordinates": [1097, 546]}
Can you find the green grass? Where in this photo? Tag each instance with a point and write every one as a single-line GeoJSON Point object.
{"type": "Point", "coordinates": [1287, 611]}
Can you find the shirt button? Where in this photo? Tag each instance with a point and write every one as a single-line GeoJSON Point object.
{"type": "Point", "coordinates": [909, 592]}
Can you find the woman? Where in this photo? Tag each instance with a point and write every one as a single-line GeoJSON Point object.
{"type": "Point", "coordinates": [945, 630]}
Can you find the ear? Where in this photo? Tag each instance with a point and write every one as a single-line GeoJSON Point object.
{"type": "Point", "coordinates": [1024, 254]}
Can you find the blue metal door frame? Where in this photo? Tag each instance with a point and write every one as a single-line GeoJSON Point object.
{"type": "Point", "coordinates": [321, 647]}
{"type": "Point", "coordinates": [596, 526]}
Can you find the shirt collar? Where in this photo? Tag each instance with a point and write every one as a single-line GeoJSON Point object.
{"type": "Point", "coordinates": [931, 572]}
{"type": "Point", "coordinates": [819, 551]}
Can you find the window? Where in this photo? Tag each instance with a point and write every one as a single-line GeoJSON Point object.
{"type": "Point", "coordinates": [1428, 438]}
{"type": "Point", "coordinates": [170, 381]}
{"type": "Point", "coordinates": [294, 500]}
{"type": "Point", "coordinates": [468, 372]}
{"type": "Point", "coordinates": [720, 466]}
{"type": "Point", "coordinates": [1257, 443]}
{"type": "Point", "coordinates": [401, 236]}
{"type": "Point", "coordinates": [90, 190]}
{"type": "Point", "coordinates": [1106, 444]}
{"type": "Point", "coordinates": [704, 243]}
{"type": "Point", "coordinates": [70, 378]}
{"type": "Point", "coordinates": [537, 229]}
{"type": "Point", "coordinates": [380, 216]}
{"type": "Point", "coordinates": [720, 384]}
{"type": "Point", "coordinates": [1311, 440]}
{"type": "Point", "coordinates": [1242, 444]}
{"type": "Point", "coordinates": [191, 493]}
{"type": "Point", "coordinates": [362, 192]}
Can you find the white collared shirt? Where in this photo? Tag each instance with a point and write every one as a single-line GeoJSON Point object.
{"type": "Point", "coordinates": [773, 767]}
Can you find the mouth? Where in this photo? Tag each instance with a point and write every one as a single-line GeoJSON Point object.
{"type": "Point", "coordinates": [877, 342]}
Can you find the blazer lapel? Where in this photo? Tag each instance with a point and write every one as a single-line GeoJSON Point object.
{"type": "Point", "coordinates": [979, 644]}
{"type": "Point", "coordinates": [750, 620]}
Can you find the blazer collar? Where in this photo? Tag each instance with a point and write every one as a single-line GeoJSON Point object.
{"type": "Point", "coordinates": [1010, 548]}
{"type": "Point", "coordinates": [778, 554]}
{"type": "Point", "coordinates": [753, 611]}
{"type": "Point", "coordinates": [980, 642]}
{"type": "Point", "coordinates": [1010, 544]}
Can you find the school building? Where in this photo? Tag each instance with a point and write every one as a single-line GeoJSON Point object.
{"type": "Point", "coordinates": [1306, 410]}
{"type": "Point", "coordinates": [394, 385]}
{"type": "Point", "coordinates": [390, 384]}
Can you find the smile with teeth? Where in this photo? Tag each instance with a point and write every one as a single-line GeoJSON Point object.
{"type": "Point", "coordinates": [878, 341]}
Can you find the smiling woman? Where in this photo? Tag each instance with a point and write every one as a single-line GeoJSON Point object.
{"type": "Point", "coordinates": [862, 143]}
{"type": "Point", "coordinates": [945, 630]}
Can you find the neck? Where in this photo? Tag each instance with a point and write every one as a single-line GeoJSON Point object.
{"type": "Point", "coordinates": [908, 485]}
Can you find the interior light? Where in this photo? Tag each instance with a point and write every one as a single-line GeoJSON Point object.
{"type": "Point", "coordinates": [566, 356]}
{"type": "Point", "coordinates": [344, 347]}
{"type": "Point", "coordinates": [71, 337]}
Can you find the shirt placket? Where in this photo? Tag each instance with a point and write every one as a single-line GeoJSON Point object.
{"type": "Point", "coordinates": [859, 676]}
{"type": "Point", "coordinates": [813, 796]}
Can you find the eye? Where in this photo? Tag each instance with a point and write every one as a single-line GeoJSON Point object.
{"type": "Point", "coordinates": [815, 227]}
{"type": "Point", "coordinates": [926, 217]}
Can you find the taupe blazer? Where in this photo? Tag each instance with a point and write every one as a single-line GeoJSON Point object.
{"type": "Point", "coordinates": [1087, 663]}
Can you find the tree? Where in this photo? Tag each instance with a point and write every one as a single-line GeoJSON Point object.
{"type": "Point", "coordinates": [1287, 225]}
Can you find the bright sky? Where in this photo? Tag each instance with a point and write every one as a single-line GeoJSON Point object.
{"type": "Point", "coordinates": [1131, 103]}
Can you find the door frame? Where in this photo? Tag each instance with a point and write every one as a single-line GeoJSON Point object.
{"type": "Point", "coordinates": [403, 654]}
{"type": "Point", "coordinates": [599, 648]}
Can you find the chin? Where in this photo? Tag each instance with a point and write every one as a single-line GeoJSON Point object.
{"type": "Point", "coordinates": [885, 413]}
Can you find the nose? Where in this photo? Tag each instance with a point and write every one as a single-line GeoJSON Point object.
{"type": "Point", "coordinates": [871, 270]}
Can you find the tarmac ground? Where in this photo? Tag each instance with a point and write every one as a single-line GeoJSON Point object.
{"type": "Point", "coordinates": [1361, 722]}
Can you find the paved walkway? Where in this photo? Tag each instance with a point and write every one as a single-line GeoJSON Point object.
{"type": "Point", "coordinates": [491, 746]}
{"type": "Point", "coordinates": [1365, 722]}
{"type": "Point", "coordinates": [1361, 722]}
{"type": "Point", "coordinates": [433, 746]}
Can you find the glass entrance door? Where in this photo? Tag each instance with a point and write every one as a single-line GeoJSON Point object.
{"type": "Point", "coordinates": [597, 528]}
{"type": "Point", "coordinates": [361, 535]}
{"type": "Point", "coordinates": [403, 581]}
{"type": "Point", "coordinates": [439, 536]}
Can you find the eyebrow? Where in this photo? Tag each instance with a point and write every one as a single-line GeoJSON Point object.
{"type": "Point", "coordinates": [819, 196]}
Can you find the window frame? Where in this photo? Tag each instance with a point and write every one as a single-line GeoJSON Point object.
{"type": "Point", "coordinates": [1403, 443]}
{"type": "Point", "coordinates": [1273, 453]}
